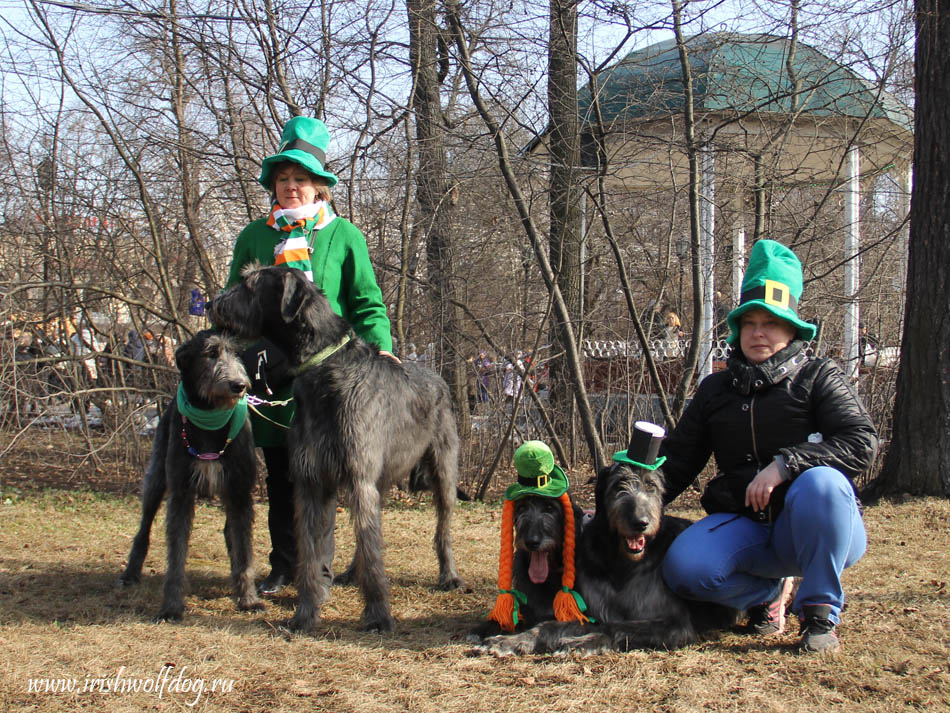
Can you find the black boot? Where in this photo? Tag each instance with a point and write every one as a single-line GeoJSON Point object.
{"type": "Point", "coordinates": [274, 582]}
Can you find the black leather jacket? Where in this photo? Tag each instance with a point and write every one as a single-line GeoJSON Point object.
{"type": "Point", "coordinates": [798, 407]}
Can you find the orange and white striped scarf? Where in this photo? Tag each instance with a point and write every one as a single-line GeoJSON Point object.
{"type": "Point", "coordinates": [300, 223]}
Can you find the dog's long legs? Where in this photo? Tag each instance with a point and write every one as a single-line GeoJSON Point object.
{"type": "Point", "coordinates": [153, 491]}
{"type": "Point", "coordinates": [315, 511]}
{"type": "Point", "coordinates": [444, 464]}
{"type": "Point", "coordinates": [238, 526]}
{"type": "Point", "coordinates": [179, 517]}
{"type": "Point", "coordinates": [367, 523]}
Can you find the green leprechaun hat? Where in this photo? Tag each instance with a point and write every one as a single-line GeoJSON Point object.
{"type": "Point", "coordinates": [537, 473]}
{"type": "Point", "coordinates": [773, 282]}
{"type": "Point", "coordinates": [304, 141]}
{"type": "Point", "coordinates": [644, 446]}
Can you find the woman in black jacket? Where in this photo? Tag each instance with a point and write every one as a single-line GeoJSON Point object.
{"type": "Point", "coordinates": [789, 436]}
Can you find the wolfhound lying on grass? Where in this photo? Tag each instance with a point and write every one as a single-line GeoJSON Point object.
{"type": "Point", "coordinates": [618, 575]}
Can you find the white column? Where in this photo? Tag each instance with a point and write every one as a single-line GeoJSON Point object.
{"type": "Point", "coordinates": [738, 254]}
{"type": "Point", "coordinates": [738, 259]}
{"type": "Point", "coordinates": [707, 250]}
{"type": "Point", "coordinates": [906, 184]}
{"type": "Point", "coordinates": [852, 265]}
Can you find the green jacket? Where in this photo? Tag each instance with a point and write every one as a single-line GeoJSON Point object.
{"type": "Point", "coordinates": [342, 269]}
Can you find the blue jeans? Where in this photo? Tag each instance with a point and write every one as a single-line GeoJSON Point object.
{"type": "Point", "coordinates": [733, 560]}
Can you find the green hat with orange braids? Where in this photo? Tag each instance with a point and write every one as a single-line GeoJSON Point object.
{"type": "Point", "coordinates": [537, 475]}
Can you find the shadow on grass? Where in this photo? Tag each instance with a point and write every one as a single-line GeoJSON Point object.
{"type": "Point", "coordinates": [84, 596]}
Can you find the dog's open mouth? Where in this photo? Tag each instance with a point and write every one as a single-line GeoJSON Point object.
{"type": "Point", "coordinates": [636, 544]}
{"type": "Point", "coordinates": [538, 568]}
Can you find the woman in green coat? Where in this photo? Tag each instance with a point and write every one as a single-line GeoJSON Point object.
{"type": "Point", "coordinates": [303, 232]}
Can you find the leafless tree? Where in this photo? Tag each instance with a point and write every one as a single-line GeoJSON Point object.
{"type": "Point", "coordinates": [917, 460]}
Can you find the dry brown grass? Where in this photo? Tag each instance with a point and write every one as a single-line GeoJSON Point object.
{"type": "Point", "coordinates": [61, 617]}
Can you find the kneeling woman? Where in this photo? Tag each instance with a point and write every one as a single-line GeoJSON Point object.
{"type": "Point", "coordinates": [790, 436]}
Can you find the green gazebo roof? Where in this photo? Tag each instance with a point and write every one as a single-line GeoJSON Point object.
{"type": "Point", "coordinates": [737, 73]}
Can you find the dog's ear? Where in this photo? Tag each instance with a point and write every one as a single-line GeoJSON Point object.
{"type": "Point", "coordinates": [600, 488]}
{"type": "Point", "coordinates": [250, 273]}
{"type": "Point", "coordinates": [185, 354]}
{"type": "Point", "coordinates": [295, 296]}
{"type": "Point", "coordinates": [658, 478]}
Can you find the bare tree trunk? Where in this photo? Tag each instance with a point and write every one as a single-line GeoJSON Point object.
{"type": "Point", "coordinates": [547, 273]}
{"type": "Point", "coordinates": [692, 152]}
{"type": "Point", "coordinates": [436, 197]}
{"type": "Point", "coordinates": [565, 239]}
{"type": "Point", "coordinates": [186, 162]}
{"type": "Point", "coordinates": [918, 461]}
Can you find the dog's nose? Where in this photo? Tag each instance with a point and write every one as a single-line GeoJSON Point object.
{"type": "Point", "coordinates": [532, 543]}
{"type": "Point", "coordinates": [639, 525]}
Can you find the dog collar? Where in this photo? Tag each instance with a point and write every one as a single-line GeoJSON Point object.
{"type": "Point", "coordinates": [324, 354]}
{"type": "Point", "coordinates": [210, 420]}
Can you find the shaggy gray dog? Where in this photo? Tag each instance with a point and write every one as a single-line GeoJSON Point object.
{"type": "Point", "coordinates": [361, 421]}
{"type": "Point", "coordinates": [187, 458]}
{"type": "Point", "coordinates": [618, 574]}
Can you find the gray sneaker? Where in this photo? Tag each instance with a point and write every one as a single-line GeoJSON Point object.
{"type": "Point", "coordinates": [818, 630]}
{"type": "Point", "coordinates": [768, 618]}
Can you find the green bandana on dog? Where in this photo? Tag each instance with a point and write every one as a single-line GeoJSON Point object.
{"type": "Point", "coordinates": [213, 419]}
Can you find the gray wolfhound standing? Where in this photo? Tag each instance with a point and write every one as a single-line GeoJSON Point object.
{"type": "Point", "coordinates": [618, 574]}
{"type": "Point", "coordinates": [203, 442]}
{"type": "Point", "coordinates": [361, 421]}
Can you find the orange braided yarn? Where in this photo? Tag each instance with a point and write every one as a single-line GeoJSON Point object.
{"type": "Point", "coordinates": [504, 609]}
{"type": "Point", "coordinates": [565, 606]}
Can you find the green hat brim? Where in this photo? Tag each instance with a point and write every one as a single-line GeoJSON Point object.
{"type": "Point", "coordinates": [803, 330]}
{"type": "Point", "coordinates": [621, 457]}
{"type": "Point", "coordinates": [304, 159]}
{"type": "Point", "coordinates": [556, 487]}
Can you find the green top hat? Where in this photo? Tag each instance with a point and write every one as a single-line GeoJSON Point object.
{"type": "Point", "coordinates": [644, 446]}
{"type": "Point", "coordinates": [537, 473]}
{"type": "Point", "coordinates": [773, 282]}
{"type": "Point", "coordinates": [304, 142]}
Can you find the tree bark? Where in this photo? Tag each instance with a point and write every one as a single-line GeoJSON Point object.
{"type": "Point", "coordinates": [565, 238]}
{"type": "Point", "coordinates": [918, 460]}
{"type": "Point", "coordinates": [437, 202]}
{"type": "Point", "coordinates": [547, 273]}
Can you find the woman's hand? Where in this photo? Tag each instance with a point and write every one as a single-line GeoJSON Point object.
{"type": "Point", "coordinates": [759, 491]}
{"type": "Point", "coordinates": [390, 355]}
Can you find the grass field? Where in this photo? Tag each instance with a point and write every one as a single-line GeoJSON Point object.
{"type": "Point", "coordinates": [64, 624]}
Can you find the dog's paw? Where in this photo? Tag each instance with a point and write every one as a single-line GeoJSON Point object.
{"type": "Point", "coordinates": [510, 645]}
{"type": "Point", "coordinates": [451, 584]}
{"type": "Point", "coordinates": [127, 579]}
{"type": "Point", "coordinates": [170, 614]}
{"type": "Point", "coordinates": [379, 624]}
{"type": "Point", "coordinates": [250, 603]}
{"type": "Point", "coordinates": [473, 638]}
{"type": "Point", "coordinates": [302, 624]}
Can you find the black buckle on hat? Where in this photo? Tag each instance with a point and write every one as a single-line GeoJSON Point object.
{"type": "Point", "coordinates": [540, 482]}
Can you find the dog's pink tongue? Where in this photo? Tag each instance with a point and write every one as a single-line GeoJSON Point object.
{"type": "Point", "coordinates": [635, 544]}
{"type": "Point", "coordinates": [538, 569]}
